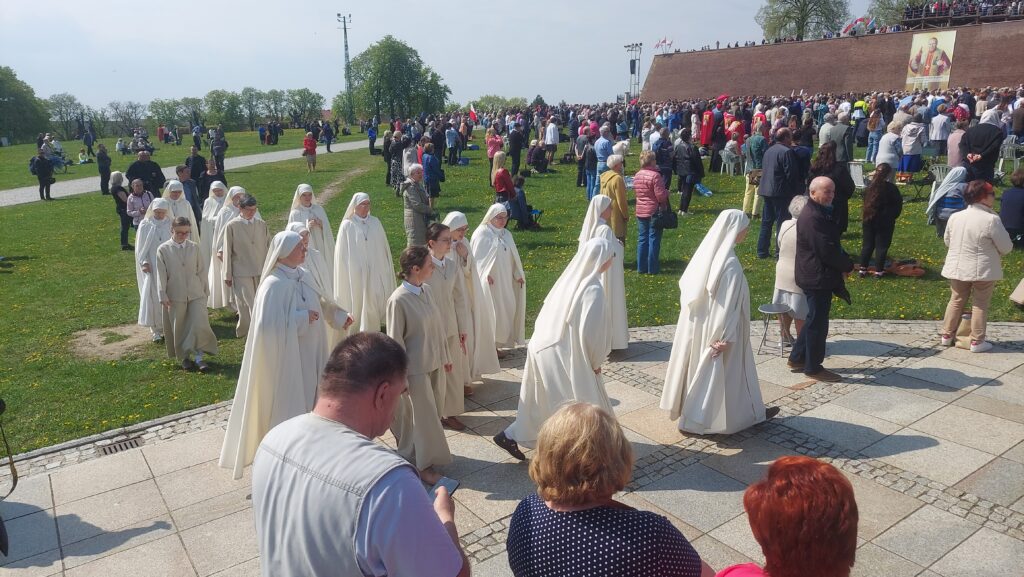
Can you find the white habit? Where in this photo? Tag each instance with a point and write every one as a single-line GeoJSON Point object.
{"type": "Point", "coordinates": [321, 238]}
{"type": "Point", "coordinates": [571, 340]}
{"type": "Point", "coordinates": [711, 395]}
{"type": "Point", "coordinates": [497, 257]}
{"type": "Point", "coordinates": [364, 275]}
{"type": "Point", "coordinates": [211, 208]}
{"type": "Point", "coordinates": [152, 233]}
{"type": "Point", "coordinates": [614, 279]}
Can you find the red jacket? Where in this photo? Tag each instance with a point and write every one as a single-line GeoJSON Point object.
{"type": "Point", "coordinates": [309, 145]}
{"type": "Point", "coordinates": [650, 192]}
{"type": "Point", "coordinates": [503, 183]}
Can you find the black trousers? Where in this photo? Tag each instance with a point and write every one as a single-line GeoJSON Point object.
{"type": "Point", "coordinates": [876, 239]}
{"type": "Point", "coordinates": [220, 162]}
{"type": "Point", "coordinates": [373, 145]}
{"type": "Point", "coordinates": [581, 175]}
{"type": "Point", "coordinates": [197, 142]}
{"type": "Point", "coordinates": [105, 181]}
{"type": "Point", "coordinates": [453, 155]}
{"type": "Point", "coordinates": [810, 344]}
{"type": "Point", "coordinates": [126, 223]}
{"type": "Point", "coordinates": [515, 162]}
{"type": "Point", "coordinates": [685, 193]}
{"type": "Point", "coordinates": [44, 187]}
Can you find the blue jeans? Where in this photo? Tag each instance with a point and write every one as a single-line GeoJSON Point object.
{"type": "Point", "coordinates": [873, 140]}
{"type": "Point", "coordinates": [809, 347]}
{"type": "Point", "coordinates": [648, 247]}
{"type": "Point", "coordinates": [775, 212]}
{"type": "Point", "coordinates": [592, 184]}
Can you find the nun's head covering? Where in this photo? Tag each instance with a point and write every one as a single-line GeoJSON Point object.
{"type": "Point", "coordinates": [560, 303]}
{"type": "Point", "coordinates": [455, 220]}
{"type": "Point", "coordinates": [217, 185]}
{"type": "Point", "coordinates": [704, 270]}
{"type": "Point", "coordinates": [281, 246]}
{"type": "Point", "coordinates": [297, 227]}
{"type": "Point", "coordinates": [592, 220]}
{"type": "Point", "coordinates": [158, 204]}
{"type": "Point", "coordinates": [173, 185]}
{"type": "Point", "coordinates": [494, 210]}
{"type": "Point", "coordinates": [357, 199]}
{"type": "Point", "coordinates": [299, 191]}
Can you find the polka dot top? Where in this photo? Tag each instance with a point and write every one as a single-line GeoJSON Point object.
{"type": "Point", "coordinates": [598, 542]}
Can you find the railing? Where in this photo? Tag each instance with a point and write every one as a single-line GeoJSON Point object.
{"type": "Point", "coordinates": [944, 16]}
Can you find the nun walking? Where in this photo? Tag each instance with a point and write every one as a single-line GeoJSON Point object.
{"type": "Point", "coordinates": [571, 341]}
{"type": "Point", "coordinates": [154, 230]}
{"type": "Point", "coordinates": [364, 274]}
{"type": "Point", "coordinates": [315, 269]}
{"type": "Point", "coordinates": [211, 208]}
{"type": "Point", "coordinates": [711, 384]}
{"type": "Point", "coordinates": [220, 294]}
{"type": "Point", "coordinates": [479, 360]}
{"type": "Point", "coordinates": [595, 225]}
{"type": "Point", "coordinates": [174, 192]}
{"type": "Point", "coordinates": [280, 365]}
{"type": "Point", "coordinates": [447, 288]}
{"type": "Point", "coordinates": [306, 210]}
{"type": "Point", "coordinates": [501, 277]}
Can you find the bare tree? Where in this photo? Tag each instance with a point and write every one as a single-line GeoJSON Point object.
{"type": "Point", "coordinates": [803, 19]}
{"type": "Point", "coordinates": [65, 111]}
{"type": "Point", "coordinates": [127, 115]}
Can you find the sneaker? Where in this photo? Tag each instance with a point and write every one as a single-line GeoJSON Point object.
{"type": "Point", "coordinates": [946, 340]}
{"type": "Point", "coordinates": [980, 346]}
{"type": "Point", "coordinates": [826, 376]}
{"type": "Point", "coordinates": [862, 273]}
{"type": "Point", "coordinates": [879, 274]}
{"type": "Point", "coordinates": [682, 213]}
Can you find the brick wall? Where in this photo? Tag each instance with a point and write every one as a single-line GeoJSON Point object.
{"type": "Point", "coordinates": [985, 55]}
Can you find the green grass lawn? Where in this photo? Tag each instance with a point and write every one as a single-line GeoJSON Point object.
{"type": "Point", "coordinates": [57, 280]}
{"type": "Point", "coordinates": [14, 159]}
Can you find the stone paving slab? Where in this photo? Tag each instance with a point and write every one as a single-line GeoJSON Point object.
{"type": "Point", "coordinates": [926, 436]}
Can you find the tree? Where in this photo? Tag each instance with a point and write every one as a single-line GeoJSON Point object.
{"type": "Point", "coordinates": [166, 111]}
{"type": "Point", "coordinates": [252, 103]}
{"type": "Point", "coordinates": [305, 105]}
{"type": "Point", "coordinates": [887, 12]}
{"type": "Point", "coordinates": [225, 108]}
{"type": "Point", "coordinates": [195, 109]}
{"type": "Point", "coordinates": [389, 77]}
{"type": "Point", "coordinates": [100, 119]}
{"type": "Point", "coordinates": [275, 104]}
{"type": "Point", "coordinates": [339, 104]}
{"type": "Point", "coordinates": [65, 111]}
{"type": "Point", "coordinates": [126, 115]}
{"type": "Point", "coordinates": [802, 19]}
{"type": "Point", "coordinates": [538, 101]}
{"type": "Point", "coordinates": [494, 103]}
{"type": "Point", "coordinates": [22, 115]}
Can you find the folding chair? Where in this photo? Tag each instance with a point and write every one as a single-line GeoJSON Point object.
{"type": "Point", "coordinates": [857, 173]}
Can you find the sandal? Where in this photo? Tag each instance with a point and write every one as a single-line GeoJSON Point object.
{"type": "Point", "coordinates": [509, 445]}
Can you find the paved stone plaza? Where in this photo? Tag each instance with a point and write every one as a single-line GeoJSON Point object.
{"type": "Point", "coordinates": [932, 440]}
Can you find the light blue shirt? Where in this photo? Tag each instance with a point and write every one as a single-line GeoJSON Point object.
{"type": "Point", "coordinates": [603, 148]}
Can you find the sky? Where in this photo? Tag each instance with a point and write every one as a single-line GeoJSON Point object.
{"type": "Point", "coordinates": [144, 49]}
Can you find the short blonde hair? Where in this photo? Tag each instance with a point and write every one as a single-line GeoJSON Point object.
{"type": "Point", "coordinates": [582, 455]}
{"type": "Point", "coordinates": [647, 158]}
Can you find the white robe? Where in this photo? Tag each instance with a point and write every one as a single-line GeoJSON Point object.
{"type": "Point", "coordinates": [321, 239]}
{"type": "Point", "coordinates": [564, 372]}
{"type": "Point", "coordinates": [483, 360]}
{"type": "Point", "coordinates": [211, 207]}
{"type": "Point", "coordinates": [496, 256]}
{"type": "Point", "coordinates": [183, 208]}
{"type": "Point", "coordinates": [711, 395]}
{"type": "Point", "coordinates": [220, 293]}
{"type": "Point", "coordinates": [277, 380]}
{"type": "Point", "coordinates": [152, 233]}
{"type": "Point", "coordinates": [364, 275]}
{"type": "Point", "coordinates": [614, 281]}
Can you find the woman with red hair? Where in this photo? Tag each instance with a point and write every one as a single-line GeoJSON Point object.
{"type": "Point", "coordinates": [804, 516]}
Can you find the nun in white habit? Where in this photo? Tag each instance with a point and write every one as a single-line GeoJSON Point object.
{"type": "Point", "coordinates": [711, 384]}
{"type": "Point", "coordinates": [221, 295]}
{"type": "Point", "coordinates": [482, 360]}
{"type": "Point", "coordinates": [595, 225]}
{"type": "Point", "coordinates": [213, 205]}
{"type": "Point", "coordinates": [282, 360]}
{"type": "Point", "coordinates": [364, 274]}
{"type": "Point", "coordinates": [174, 192]}
{"type": "Point", "coordinates": [154, 230]}
{"type": "Point", "coordinates": [315, 266]}
{"type": "Point", "coordinates": [501, 277]}
{"type": "Point", "coordinates": [321, 237]}
{"type": "Point", "coordinates": [570, 342]}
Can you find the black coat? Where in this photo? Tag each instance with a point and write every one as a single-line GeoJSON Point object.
{"type": "Point", "coordinates": [781, 173]}
{"type": "Point", "coordinates": [840, 176]}
{"type": "Point", "coordinates": [196, 166]}
{"type": "Point", "coordinates": [983, 139]}
{"type": "Point", "coordinates": [687, 161]}
{"type": "Point", "coordinates": [820, 259]}
{"type": "Point", "coordinates": [149, 172]}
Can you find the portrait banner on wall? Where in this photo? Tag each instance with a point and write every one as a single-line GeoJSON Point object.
{"type": "Point", "coordinates": [931, 59]}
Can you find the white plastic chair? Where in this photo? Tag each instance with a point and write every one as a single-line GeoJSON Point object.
{"type": "Point", "coordinates": [939, 171]}
{"type": "Point", "coordinates": [857, 174]}
{"type": "Point", "coordinates": [1008, 151]}
{"type": "Point", "coordinates": [729, 161]}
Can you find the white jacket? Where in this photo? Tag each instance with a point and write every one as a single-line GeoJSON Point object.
{"type": "Point", "coordinates": [977, 241]}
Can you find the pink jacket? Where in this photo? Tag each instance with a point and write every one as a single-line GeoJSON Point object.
{"type": "Point", "coordinates": [650, 192]}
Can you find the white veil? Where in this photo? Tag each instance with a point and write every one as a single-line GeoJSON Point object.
{"type": "Point", "coordinates": [597, 205]}
{"type": "Point", "coordinates": [357, 199]}
{"type": "Point", "coordinates": [705, 268]}
{"type": "Point", "coordinates": [281, 246]}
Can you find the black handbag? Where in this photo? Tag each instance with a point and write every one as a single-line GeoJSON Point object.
{"type": "Point", "coordinates": [665, 219]}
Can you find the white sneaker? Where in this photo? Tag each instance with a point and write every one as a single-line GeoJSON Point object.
{"type": "Point", "coordinates": [682, 213]}
{"type": "Point", "coordinates": [980, 347]}
{"type": "Point", "coordinates": [946, 341]}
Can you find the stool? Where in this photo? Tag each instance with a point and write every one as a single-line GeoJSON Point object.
{"type": "Point", "coordinates": [772, 310]}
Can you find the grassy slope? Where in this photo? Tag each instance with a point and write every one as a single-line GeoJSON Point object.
{"type": "Point", "coordinates": [62, 279]}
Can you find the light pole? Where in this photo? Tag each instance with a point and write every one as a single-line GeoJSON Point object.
{"type": "Point", "coordinates": [634, 51]}
{"type": "Point", "coordinates": [349, 117]}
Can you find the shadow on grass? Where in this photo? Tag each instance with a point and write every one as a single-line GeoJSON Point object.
{"type": "Point", "coordinates": [7, 263]}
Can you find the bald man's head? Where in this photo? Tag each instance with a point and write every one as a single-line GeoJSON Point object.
{"type": "Point", "coordinates": [823, 190]}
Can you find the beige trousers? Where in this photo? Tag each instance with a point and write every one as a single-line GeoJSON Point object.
{"type": "Point", "coordinates": [244, 289]}
{"type": "Point", "coordinates": [417, 426]}
{"type": "Point", "coordinates": [187, 329]}
{"type": "Point", "coordinates": [751, 199]}
{"type": "Point", "coordinates": [980, 293]}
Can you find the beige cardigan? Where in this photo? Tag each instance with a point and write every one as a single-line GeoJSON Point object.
{"type": "Point", "coordinates": [977, 241]}
{"type": "Point", "coordinates": [784, 276]}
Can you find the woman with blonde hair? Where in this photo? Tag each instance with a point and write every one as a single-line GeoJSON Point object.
{"type": "Point", "coordinates": [583, 459]}
{"type": "Point", "coordinates": [501, 179]}
{"type": "Point", "coordinates": [494, 144]}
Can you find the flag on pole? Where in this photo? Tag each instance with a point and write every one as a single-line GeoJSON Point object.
{"type": "Point", "coordinates": [472, 112]}
{"type": "Point", "coordinates": [657, 44]}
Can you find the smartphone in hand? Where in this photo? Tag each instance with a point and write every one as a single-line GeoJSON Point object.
{"type": "Point", "coordinates": [447, 483]}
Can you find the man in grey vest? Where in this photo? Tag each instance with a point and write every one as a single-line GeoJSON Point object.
{"type": "Point", "coordinates": [328, 500]}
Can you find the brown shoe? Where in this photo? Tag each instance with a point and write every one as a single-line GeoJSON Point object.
{"type": "Point", "coordinates": [467, 391]}
{"type": "Point", "coordinates": [453, 423]}
{"type": "Point", "coordinates": [795, 366]}
{"type": "Point", "coordinates": [188, 365]}
{"type": "Point", "coordinates": [826, 376]}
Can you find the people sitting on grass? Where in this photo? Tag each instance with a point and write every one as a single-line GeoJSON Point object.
{"type": "Point", "coordinates": [535, 157]}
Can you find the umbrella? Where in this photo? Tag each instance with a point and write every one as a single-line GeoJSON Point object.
{"type": "Point", "coordinates": [906, 100]}
{"type": "Point", "coordinates": [722, 97]}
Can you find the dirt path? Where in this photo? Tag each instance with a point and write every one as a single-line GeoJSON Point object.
{"type": "Point", "coordinates": [109, 343]}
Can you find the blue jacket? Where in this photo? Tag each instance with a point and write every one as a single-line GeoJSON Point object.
{"type": "Point", "coordinates": [431, 169]}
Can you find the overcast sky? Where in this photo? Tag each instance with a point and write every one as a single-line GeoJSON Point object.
{"type": "Point", "coordinates": [144, 49]}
